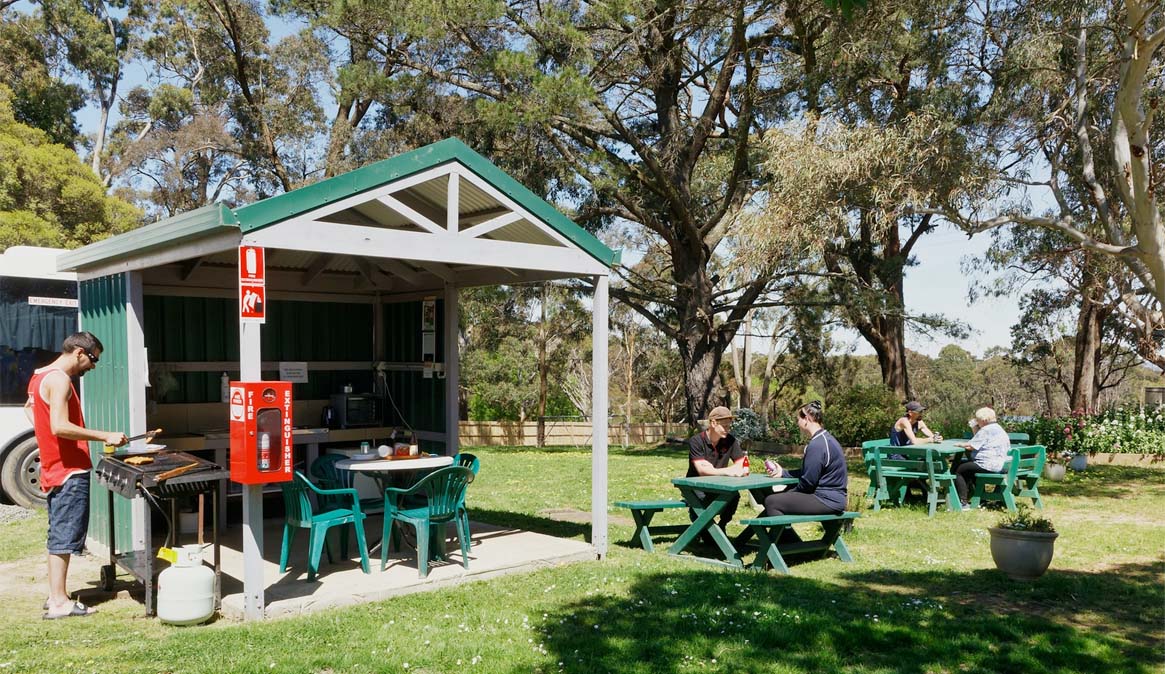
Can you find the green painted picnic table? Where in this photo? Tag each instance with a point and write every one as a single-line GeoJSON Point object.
{"type": "Point", "coordinates": [722, 488]}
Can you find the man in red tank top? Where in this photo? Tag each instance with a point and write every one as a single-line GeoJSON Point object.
{"type": "Point", "coordinates": [54, 408]}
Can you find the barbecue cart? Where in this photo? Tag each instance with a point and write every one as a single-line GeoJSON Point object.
{"type": "Point", "coordinates": [161, 478]}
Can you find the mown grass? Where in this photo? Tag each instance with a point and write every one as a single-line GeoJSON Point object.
{"type": "Point", "coordinates": [923, 596]}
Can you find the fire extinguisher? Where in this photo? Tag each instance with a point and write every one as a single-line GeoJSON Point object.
{"type": "Point", "coordinates": [264, 451]}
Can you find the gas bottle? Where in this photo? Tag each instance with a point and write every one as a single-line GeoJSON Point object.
{"type": "Point", "coordinates": [186, 589]}
{"type": "Point", "coordinates": [224, 388]}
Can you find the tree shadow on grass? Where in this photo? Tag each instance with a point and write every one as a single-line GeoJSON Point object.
{"type": "Point", "coordinates": [1105, 482]}
{"type": "Point", "coordinates": [707, 620]}
{"type": "Point", "coordinates": [541, 525]}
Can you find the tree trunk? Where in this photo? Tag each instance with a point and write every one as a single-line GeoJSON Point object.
{"type": "Point", "coordinates": [746, 365]}
{"type": "Point", "coordinates": [628, 382]}
{"type": "Point", "coordinates": [701, 343]}
{"type": "Point", "coordinates": [1085, 367]}
{"type": "Point", "coordinates": [886, 335]}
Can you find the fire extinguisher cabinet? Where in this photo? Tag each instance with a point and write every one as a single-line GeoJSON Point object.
{"type": "Point", "coordinates": [260, 415]}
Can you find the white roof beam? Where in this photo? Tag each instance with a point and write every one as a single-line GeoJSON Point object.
{"type": "Point", "coordinates": [412, 214]}
{"type": "Point", "coordinates": [373, 274]}
{"type": "Point", "coordinates": [453, 203]}
{"type": "Point", "coordinates": [400, 269]}
{"type": "Point", "coordinates": [440, 270]}
{"type": "Point", "coordinates": [317, 267]}
{"type": "Point", "coordinates": [423, 247]}
{"type": "Point", "coordinates": [502, 199]}
{"type": "Point", "coordinates": [490, 225]}
{"type": "Point", "coordinates": [191, 266]}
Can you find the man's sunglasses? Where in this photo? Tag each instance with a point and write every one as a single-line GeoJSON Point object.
{"type": "Point", "coordinates": [93, 358]}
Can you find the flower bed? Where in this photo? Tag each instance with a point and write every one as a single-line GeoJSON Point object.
{"type": "Point", "coordinates": [1117, 431]}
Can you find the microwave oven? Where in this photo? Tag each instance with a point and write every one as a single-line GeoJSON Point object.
{"type": "Point", "coordinates": [357, 409]}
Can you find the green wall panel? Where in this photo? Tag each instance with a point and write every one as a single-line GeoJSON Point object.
{"type": "Point", "coordinates": [200, 329]}
{"type": "Point", "coordinates": [420, 401]}
{"type": "Point", "coordinates": [105, 395]}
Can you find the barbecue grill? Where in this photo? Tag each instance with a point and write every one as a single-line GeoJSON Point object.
{"type": "Point", "coordinates": [168, 477]}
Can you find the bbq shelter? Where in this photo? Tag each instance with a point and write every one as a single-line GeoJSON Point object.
{"type": "Point", "coordinates": [361, 287]}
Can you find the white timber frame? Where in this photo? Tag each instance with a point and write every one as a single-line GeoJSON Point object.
{"type": "Point", "coordinates": [401, 249]}
{"type": "Point", "coordinates": [433, 248]}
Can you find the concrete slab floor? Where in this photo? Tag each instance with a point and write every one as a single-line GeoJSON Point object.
{"type": "Point", "coordinates": [494, 551]}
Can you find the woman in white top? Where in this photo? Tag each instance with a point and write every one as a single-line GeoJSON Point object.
{"type": "Point", "coordinates": [991, 446]}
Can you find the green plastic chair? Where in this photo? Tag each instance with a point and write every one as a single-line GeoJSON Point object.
{"type": "Point", "coordinates": [1019, 438]}
{"type": "Point", "coordinates": [467, 460]}
{"type": "Point", "coordinates": [324, 470]}
{"type": "Point", "coordinates": [444, 491]}
{"type": "Point", "coordinates": [300, 515]}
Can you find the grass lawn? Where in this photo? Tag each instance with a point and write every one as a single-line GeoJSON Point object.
{"type": "Point", "coordinates": [923, 596]}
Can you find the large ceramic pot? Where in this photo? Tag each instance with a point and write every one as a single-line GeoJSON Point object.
{"type": "Point", "coordinates": [1055, 471]}
{"type": "Point", "coordinates": [1078, 462]}
{"type": "Point", "coordinates": [1022, 555]}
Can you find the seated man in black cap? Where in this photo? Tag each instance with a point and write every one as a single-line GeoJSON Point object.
{"type": "Point", "coordinates": [715, 451]}
{"type": "Point", "coordinates": [910, 429]}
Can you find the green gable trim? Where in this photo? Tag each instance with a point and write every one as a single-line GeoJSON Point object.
{"type": "Point", "coordinates": [166, 233]}
{"type": "Point", "coordinates": [278, 208]}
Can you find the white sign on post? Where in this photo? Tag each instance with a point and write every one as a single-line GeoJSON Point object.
{"type": "Point", "coordinates": [293, 371]}
{"type": "Point", "coordinates": [252, 285]}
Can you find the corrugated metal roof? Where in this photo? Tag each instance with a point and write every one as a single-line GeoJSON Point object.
{"type": "Point", "coordinates": [297, 202]}
{"type": "Point", "coordinates": [168, 233]}
{"type": "Point", "coordinates": [428, 198]}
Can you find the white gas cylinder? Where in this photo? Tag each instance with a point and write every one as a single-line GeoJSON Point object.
{"type": "Point", "coordinates": [186, 589]}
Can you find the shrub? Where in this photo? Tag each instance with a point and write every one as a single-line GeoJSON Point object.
{"type": "Point", "coordinates": [1024, 519]}
{"type": "Point", "coordinates": [862, 413]}
{"type": "Point", "coordinates": [783, 428]}
{"type": "Point", "coordinates": [747, 425]}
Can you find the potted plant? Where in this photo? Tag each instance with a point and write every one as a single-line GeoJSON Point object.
{"type": "Point", "coordinates": [1022, 544]}
{"type": "Point", "coordinates": [1056, 467]}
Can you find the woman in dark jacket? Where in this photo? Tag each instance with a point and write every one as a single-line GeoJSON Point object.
{"type": "Point", "coordinates": [822, 478]}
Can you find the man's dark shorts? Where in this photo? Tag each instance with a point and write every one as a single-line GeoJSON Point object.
{"type": "Point", "coordinates": [69, 516]}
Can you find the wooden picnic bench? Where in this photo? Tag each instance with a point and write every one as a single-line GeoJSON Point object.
{"type": "Point", "coordinates": [643, 511]}
{"type": "Point", "coordinates": [896, 468]}
{"type": "Point", "coordinates": [768, 531]}
{"type": "Point", "coordinates": [868, 448]}
{"type": "Point", "coordinates": [1020, 477]}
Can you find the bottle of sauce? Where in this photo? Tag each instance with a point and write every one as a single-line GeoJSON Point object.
{"type": "Point", "coordinates": [746, 468]}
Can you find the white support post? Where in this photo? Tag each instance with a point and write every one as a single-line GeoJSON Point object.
{"type": "Point", "coordinates": [135, 338]}
{"type": "Point", "coordinates": [250, 364]}
{"type": "Point", "coordinates": [452, 373]}
{"type": "Point", "coordinates": [599, 417]}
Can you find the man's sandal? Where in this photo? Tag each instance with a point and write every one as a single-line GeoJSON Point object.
{"type": "Point", "coordinates": [77, 610]}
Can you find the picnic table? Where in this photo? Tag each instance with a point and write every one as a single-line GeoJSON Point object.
{"type": "Point", "coordinates": [722, 488]}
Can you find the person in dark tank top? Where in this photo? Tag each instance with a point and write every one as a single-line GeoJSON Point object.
{"type": "Point", "coordinates": [910, 429]}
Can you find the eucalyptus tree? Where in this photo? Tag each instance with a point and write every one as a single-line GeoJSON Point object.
{"type": "Point", "coordinates": [97, 40]}
{"type": "Point", "coordinates": [1071, 331]}
{"type": "Point", "coordinates": [227, 114]}
{"type": "Point", "coordinates": [40, 98]}
{"type": "Point", "coordinates": [1087, 78]}
{"type": "Point", "coordinates": [897, 115]}
{"type": "Point", "coordinates": [645, 114]}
